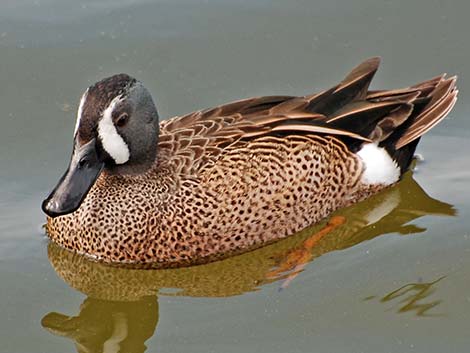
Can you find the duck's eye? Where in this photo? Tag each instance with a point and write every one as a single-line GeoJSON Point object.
{"type": "Point", "coordinates": [122, 119]}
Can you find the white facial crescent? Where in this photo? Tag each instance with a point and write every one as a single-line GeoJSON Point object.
{"type": "Point", "coordinates": [113, 143]}
{"type": "Point", "coordinates": [80, 111]}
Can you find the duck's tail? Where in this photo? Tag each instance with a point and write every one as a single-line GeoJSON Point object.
{"type": "Point", "coordinates": [393, 119]}
{"type": "Point", "coordinates": [428, 103]}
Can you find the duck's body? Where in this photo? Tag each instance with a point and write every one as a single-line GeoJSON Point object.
{"type": "Point", "coordinates": [239, 176]}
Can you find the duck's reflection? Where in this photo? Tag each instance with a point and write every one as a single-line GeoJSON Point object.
{"type": "Point", "coordinates": [121, 311]}
{"type": "Point", "coordinates": [108, 326]}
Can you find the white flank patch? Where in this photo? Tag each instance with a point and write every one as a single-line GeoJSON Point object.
{"type": "Point", "coordinates": [113, 143]}
{"type": "Point", "coordinates": [379, 167]}
{"type": "Point", "coordinates": [80, 111]}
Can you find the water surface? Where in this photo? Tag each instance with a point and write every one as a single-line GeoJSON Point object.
{"type": "Point", "coordinates": [392, 275]}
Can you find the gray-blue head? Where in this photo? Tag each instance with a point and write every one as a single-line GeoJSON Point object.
{"type": "Point", "coordinates": [116, 131]}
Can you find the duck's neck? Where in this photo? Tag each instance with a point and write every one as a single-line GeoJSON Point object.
{"type": "Point", "coordinates": [134, 167]}
{"type": "Point", "coordinates": [128, 169]}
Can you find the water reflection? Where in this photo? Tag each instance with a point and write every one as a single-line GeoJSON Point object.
{"type": "Point", "coordinates": [108, 326]}
{"type": "Point", "coordinates": [412, 296]}
{"type": "Point", "coordinates": [121, 311]}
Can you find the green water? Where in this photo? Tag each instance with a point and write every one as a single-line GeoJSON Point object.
{"type": "Point", "coordinates": [393, 277]}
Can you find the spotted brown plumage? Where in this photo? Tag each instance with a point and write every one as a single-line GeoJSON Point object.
{"type": "Point", "coordinates": [232, 178]}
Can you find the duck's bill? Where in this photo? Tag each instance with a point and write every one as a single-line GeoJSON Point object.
{"type": "Point", "coordinates": [74, 185]}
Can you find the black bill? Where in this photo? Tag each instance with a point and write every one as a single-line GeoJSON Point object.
{"type": "Point", "coordinates": [74, 185]}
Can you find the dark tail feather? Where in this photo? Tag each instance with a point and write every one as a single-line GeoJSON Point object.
{"type": "Point", "coordinates": [441, 101]}
{"type": "Point", "coordinates": [436, 98]}
{"type": "Point", "coordinates": [403, 156]}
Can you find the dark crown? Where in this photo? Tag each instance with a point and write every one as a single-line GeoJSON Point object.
{"type": "Point", "coordinates": [98, 98]}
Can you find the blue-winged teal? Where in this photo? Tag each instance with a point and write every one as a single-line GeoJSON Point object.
{"type": "Point", "coordinates": [232, 178]}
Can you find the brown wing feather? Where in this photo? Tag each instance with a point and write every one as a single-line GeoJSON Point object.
{"type": "Point", "coordinates": [347, 110]}
{"type": "Point", "coordinates": [353, 87]}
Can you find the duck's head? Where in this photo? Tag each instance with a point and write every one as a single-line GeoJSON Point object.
{"type": "Point", "coordinates": [116, 131]}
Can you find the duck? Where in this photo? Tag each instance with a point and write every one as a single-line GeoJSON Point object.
{"type": "Point", "coordinates": [222, 181]}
